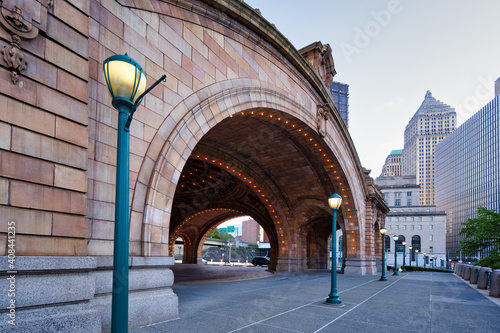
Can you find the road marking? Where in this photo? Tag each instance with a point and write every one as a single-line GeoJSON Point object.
{"type": "Point", "coordinates": [302, 306]}
{"type": "Point", "coordinates": [378, 292]}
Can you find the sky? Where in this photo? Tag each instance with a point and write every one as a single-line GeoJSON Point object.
{"type": "Point", "coordinates": [391, 52]}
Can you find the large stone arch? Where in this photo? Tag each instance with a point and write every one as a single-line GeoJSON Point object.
{"type": "Point", "coordinates": [199, 119]}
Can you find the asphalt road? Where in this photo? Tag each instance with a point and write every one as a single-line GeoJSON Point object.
{"type": "Point", "coordinates": [412, 302]}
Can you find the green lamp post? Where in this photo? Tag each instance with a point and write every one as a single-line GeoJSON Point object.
{"type": "Point", "coordinates": [334, 202]}
{"type": "Point", "coordinates": [416, 257]}
{"type": "Point", "coordinates": [404, 255]}
{"type": "Point", "coordinates": [395, 237]}
{"type": "Point", "coordinates": [126, 82]}
{"type": "Point", "coordinates": [410, 253]}
{"type": "Point", "coordinates": [383, 231]}
{"type": "Point", "coordinates": [424, 259]}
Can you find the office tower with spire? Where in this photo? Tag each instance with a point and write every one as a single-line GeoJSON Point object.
{"type": "Point", "coordinates": [433, 121]}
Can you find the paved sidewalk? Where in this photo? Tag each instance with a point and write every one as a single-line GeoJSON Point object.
{"type": "Point", "coordinates": [412, 302]}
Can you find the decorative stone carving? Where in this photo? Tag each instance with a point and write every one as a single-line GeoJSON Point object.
{"type": "Point", "coordinates": [14, 22]}
{"type": "Point", "coordinates": [321, 118]}
{"type": "Point", "coordinates": [14, 58]}
{"type": "Point", "coordinates": [320, 58]}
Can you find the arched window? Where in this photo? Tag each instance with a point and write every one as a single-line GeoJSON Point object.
{"type": "Point", "coordinates": [415, 243]}
{"type": "Point", "coordinates": [399, 245]}
{"type": "Point", "coordinates": [387, 241]}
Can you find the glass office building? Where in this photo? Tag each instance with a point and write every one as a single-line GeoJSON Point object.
{"type": "Point", "coordinates": [467, 171]}
{"type": "Point", "coordinates": [340, 93]}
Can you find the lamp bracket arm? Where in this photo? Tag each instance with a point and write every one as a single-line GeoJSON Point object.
{"type": "Point", "coordinates": [139, 100]}
{"type": "Point", "coordinates": [347, 211]}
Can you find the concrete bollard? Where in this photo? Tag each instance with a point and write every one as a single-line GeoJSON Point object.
{"type": "Point", "coordinates": [495, 283]}
{"type": "Point", "coordinates": [483, 277]}
{"type": "Point", "coordinates": [473, 274]}
{"type": "Point", "coordinates": [460, 270]}
{"type": "Point", "coordinates": [467, 269]}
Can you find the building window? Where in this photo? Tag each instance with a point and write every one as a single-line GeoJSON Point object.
{"type": "Point", "coordinates": [431, 218]}
{"type": "Point", "coordinates": [419, 218]}
{"type": "Point", "coordinates": [404, 227]}
{"type": "Point", "coordinates": [420, 227]}
{"type": "Point", "coordinates": [388, 227]}
{"type": "Point", "coordinates": [399, 245]}
{"type": "Point", "coordinates": [431, 227]}
{"type": "Point", "coordinates": [431, 237]}
{"type": "Point", "coordinates": [397, 227]}
{"type": "Point", "coordinates": [397, 194]}
{"type": "Point", "coordinates": [387, 241]}
{"type": "Point", "coordinates": [412, 227]}
{"type": "Point", "coordinates": [408, 194]}
{"type": "Point", "coordinates": [397, 202]}
{"type": "Point", "coordinates": [408, 202]}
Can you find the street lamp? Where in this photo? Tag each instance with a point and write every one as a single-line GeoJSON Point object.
{"type": "Point", "coordinates": [383, 231]}
{"type": "Point", "coordinates": [126, 82]}
{"type": "Point", "coordinates": [334, 202]}
{"type": "Point", "coordinates": [416, 257]}
{"type": "Point", "coordinates": [433, 259]}
{"type": "Point", "coordinates": [404, 255]}
{"type": "Point", "coordinates": [410, 252]}
{"type": "Point", "coordinates": [424, 259]}
{"type": "Point", "coordinates": [395, 237]}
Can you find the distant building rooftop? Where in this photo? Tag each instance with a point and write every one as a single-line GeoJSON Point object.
{"type": "Point", "coordinates": [397, 152]}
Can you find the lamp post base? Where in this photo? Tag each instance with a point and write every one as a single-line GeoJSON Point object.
{"type": "Point", "coordinates": [333, 300]}
{"type": "Point", "coordinates": [395, 272]}
{"type": "Point", "coordinates": [383, 278]}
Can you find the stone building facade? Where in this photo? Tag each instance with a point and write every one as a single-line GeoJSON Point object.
{"type": "Point", "coordinates": [421, 227]}
{"type": "Point", "coordinates": [244, 125]}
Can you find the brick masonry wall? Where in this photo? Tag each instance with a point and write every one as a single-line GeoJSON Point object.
{"type": "Point", "coordinates": [43, 122]}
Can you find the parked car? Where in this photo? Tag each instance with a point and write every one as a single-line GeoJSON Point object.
{"type": "Point", "coordinates": [261, 261]}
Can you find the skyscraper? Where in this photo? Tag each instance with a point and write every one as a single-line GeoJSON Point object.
{"type": "Point", "coordinates": [393, 165]}
{"type": "Point", "coordinates": [340, 93]}
{"type": "Point", "coordinates": [468, 172]}
{"type": "Point", "coordinates": [432, 122]}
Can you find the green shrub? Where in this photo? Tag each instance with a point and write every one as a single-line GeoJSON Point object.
{"type": "Point", "coordinates": [426, 269]}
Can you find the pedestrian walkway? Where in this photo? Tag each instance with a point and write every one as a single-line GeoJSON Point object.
{"type": "Point", "coordinates": [411, 302]}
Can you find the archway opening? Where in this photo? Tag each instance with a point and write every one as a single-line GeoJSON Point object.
{"type": "Point", "coordinates": [236, 242]}
{"type": "Point", "coordinates": [265, 164]}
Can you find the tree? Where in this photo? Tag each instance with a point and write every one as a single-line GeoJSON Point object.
{"type": "Point", "coordinates": [483, 233]}
{"type": "Point", "coordinates": [215, 234]}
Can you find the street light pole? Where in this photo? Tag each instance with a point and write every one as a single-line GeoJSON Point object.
{"type": "Point", "coordinates": [424, 259]}
{"type": "Point", "coordinates": [383, 231]}
{"type": "Point", "coordinates": [416, 257]}
{"type": "Point", "coordinates": [410, 253]}
{"type": "Point", "coordinates": [404, 256]}
{"type": "Point", "coordinates": [334, 202]}
{"type": "Point", "coordinates": [126, 82]}
{"type": "Point", "coordinates": [395, 237]}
